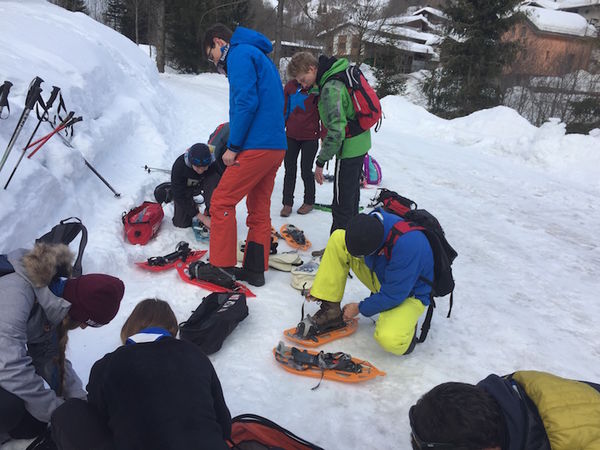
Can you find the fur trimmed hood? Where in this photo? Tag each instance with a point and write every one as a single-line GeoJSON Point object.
{"type": "Point", "coordinates": [44, 261]}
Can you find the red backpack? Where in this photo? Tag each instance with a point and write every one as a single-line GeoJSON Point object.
{"type": "Point", "coordinates": [364, 99]}
{"type": "Point", "coordinates": [142, 223]}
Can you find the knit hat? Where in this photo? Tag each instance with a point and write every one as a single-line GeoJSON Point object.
{"type": "Point", "coordinates": [94, 298]}
{"type": "Point", "coordinates": [364, 235]}
{"type": "Point", "coordinates": [199, 155]}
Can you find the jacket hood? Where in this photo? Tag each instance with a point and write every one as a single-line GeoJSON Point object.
{"type": "Point", "coordinates": [328, 67]}
{"type": "Point", "coordinates": [243, 35]}
{"type": "Point", "coordinates": [43, 262]}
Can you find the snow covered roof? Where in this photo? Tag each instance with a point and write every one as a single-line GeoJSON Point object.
{"type": "Point", "coordinates": [558, 21]}
{"type": "Point", "coordinates": [564, 4]}
{"type": "Point", "coordinates": [299, 44]}
{"type": "Point", "coordinates": [427, 38]}
{"type": "Point", "coordinates": [435, 12]}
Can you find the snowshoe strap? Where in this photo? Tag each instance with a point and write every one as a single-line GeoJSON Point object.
{"type": "Point", "coordinates": [326, 361]}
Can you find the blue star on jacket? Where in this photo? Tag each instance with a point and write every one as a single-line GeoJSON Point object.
{"type": "Point", "coordinates": [296, 101]}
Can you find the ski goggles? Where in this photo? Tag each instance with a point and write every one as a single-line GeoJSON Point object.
{"type": "Point", "coordinates": [201, 162]}
{"type": "Point", "coordinates": [422, 444]}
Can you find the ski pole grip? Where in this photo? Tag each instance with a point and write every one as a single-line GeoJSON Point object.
{"type": "Point", "coordinates": [53, 95]}
{"type": "Point", "coordinates": [4, 90]}
{"type": "Point", "coordinates": [32, 97]}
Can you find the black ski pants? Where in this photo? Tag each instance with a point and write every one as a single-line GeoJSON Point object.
{"type": "Point", "coordinates": [16, 420]}
{"type": "Point", "coordinates": [346, 191]}
{"type": "Point", "coordinates": [290, 162]}
{"type": "Point", "coordinates": [76, 425]}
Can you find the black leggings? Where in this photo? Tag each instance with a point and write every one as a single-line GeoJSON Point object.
{"type": "Point", "coordinates": [346, 191]}
{"type": "Point", "coordinates": [309, 151]}
{"type": "Point", "coordinates": [76, 425]}
{"type": "Point", "coordinates": [16, 420]}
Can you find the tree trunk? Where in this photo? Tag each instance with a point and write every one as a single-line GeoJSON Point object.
{"type": "Point", "coordinates": [160, 35]}
{"type": "Point", "coordinates": [278, 30]}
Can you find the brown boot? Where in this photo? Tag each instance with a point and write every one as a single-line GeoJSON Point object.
{"type": "Point", "coordinates": [305, 209]}
{"type": "Point", "coordinates": [329, 315]}
{"type": "Point", "coordinates": [286, 211]}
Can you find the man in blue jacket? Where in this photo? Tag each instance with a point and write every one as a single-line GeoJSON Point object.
{"type": "Point", "coordinates": [398, 292]}
{"type": "Point", "coordinates": [255, 149]}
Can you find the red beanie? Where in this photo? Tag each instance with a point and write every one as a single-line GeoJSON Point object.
{"type": "Point", "coordinates": [94, 298]}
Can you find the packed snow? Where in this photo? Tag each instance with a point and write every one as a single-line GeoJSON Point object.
{"type": "Point", "coordinates": [519, 203]}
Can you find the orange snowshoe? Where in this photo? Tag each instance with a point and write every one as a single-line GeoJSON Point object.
{"type": "Point", "coordinates": [317, 340]}
{"type": "Point", "coordinates": [294, 237]}
{"type": "Point", "coordinates": [331, 366]}
{"type": "Point", "coordinates": [182, 254]}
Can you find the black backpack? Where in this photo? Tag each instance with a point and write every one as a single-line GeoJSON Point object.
{"type": "Point", "coordinates": [443, 254]}
{"type": "Point", "coordinates": [64, 233]}
{"type": "Point", "coordinates": [215, 318]}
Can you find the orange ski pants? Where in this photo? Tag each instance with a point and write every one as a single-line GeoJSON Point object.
{"type": "Point", "coordinates": [252, 177]}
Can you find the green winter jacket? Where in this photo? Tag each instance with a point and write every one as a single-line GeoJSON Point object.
{"type": "Point", "coordinates": [335, 108]}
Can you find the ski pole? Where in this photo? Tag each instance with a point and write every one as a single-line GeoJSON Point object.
{"type": "Point", "coordinates": [4, 90]}
{"type": "Point", "coordinates": [42, 118]}
{"type": "Point", "coordinates": [32, 96]}
{"type": "Point", "coordinates": [156, 169]}
{"type": "Point", "coordinates": [68, 121]}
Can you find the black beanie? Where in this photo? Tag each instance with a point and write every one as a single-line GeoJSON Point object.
{"type": "Point", "coordinates": [364, 235]}
{"type": "Point", "coordinates": [199, 155]}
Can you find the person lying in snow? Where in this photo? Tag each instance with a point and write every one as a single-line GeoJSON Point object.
{"type": "Point", "coordinates": [154, 392]}
{"type": "Point", "coordinates": [524, 410]}
{"type": "Point", "coordinates": [398, 292]}
{"type": "Point", "coordinates": [193, 173]}
{"type": "Point", "coordinates": [38, 308]}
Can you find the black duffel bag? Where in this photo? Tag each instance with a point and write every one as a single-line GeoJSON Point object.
{"type": "Point", "coordinates": [215, 318]}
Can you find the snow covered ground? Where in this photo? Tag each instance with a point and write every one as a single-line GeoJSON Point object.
{"type": "Point", "coordinates": [519, 203]}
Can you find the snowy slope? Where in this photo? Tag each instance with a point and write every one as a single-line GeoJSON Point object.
{"type": "Point", "coordinates": [519, 203]}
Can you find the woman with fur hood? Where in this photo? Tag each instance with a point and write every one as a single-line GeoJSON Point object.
{"type": "Point", "coordinates": [39, 305]}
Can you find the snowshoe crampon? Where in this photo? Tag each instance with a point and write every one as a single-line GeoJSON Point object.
{"type": "Point", "coordinates": [182, 254]}
{"type": "Point", "coordinates": [298, 335]}
{"type": "Point", "coordinates": [330, 366]}
{"type": "Point", "coordinates": [294, 237]}
{"type": "Point", "coordinates": [182, 270]}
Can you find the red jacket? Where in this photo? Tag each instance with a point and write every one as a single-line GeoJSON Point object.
{"type": "Point", "coordinates": [300, 112]}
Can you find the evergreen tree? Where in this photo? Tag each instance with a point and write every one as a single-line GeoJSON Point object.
{"type": "Point", "coordinates": [72, 5]}
{"type": "Point", "coordinates": [472, 57]}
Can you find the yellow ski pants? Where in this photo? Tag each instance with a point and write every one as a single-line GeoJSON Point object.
{"type": "Point", "coordinates": [395, 327]}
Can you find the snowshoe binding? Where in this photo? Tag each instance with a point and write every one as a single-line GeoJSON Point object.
{"type": "Point", "coordinates": [211, 278]}
{"type": "Point", "coordinates": [324, 326]}
{"type": "Point", "coordinates": [201, 231]}
{"type": "Point", "coordinates": [336, 366]}
{"type": "Point", "coordinates": [182, 254]}
{"type": "Point", "coordinates": [294, 237]}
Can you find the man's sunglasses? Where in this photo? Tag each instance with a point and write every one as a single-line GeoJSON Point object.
{"type": "Point", "coordinates": [422, 444]}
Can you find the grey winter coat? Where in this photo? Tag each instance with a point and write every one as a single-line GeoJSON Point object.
{"type": "Point", "coordinates": [30, 313]}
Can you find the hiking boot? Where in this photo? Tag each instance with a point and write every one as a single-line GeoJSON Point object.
{"type": "Point", "coordinates": [286, 211]}
{"type": "Point", "coordinates": [305, 209]}
{"type": "Point", "coordinates": [328, 317]}
{"type": "Point", "coordinates": [253, 278]}
{"type": "Point", "coordinates": [318, 253]}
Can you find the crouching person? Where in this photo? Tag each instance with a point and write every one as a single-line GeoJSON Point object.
{"type": "Point", "coordinates": [38, 308]}
{"type": "Point", "coordinates": [193, 173]}
{"type": "Point", "coordinates": [154, 392]}
{"type": "Point", "coordinates": [525, 410]}
{"type": "Point", "coordinates": [399, 293]}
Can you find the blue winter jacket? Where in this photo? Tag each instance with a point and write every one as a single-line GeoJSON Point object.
{"type": "Point", "coordinates": [412, 258]}
{"type": "Point", "coordinates": [255, 94]}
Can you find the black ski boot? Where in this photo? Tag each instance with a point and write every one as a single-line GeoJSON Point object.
{"type": "Point", "coordinates": [328, 317]}
{"type": "Point", "coordinates": [253, 270]}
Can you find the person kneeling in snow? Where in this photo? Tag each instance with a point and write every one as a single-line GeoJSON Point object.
{"type": "Point", "coordinates": [524, 410]}
{"type": "Point", "coordinates": [398, 292]}
{"type": "Point", "coordinates": [193, 173]}
{"type": "Point", "coordinates": [38, 308]}
{"type": "Point", "coordinates": [154, 392]}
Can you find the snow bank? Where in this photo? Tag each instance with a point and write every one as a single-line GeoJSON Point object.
{"type": "Point", "coordinates": [106, 79]}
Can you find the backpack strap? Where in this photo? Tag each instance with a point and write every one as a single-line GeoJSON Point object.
{"type": "Point", "coordinates": [400, 228]}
